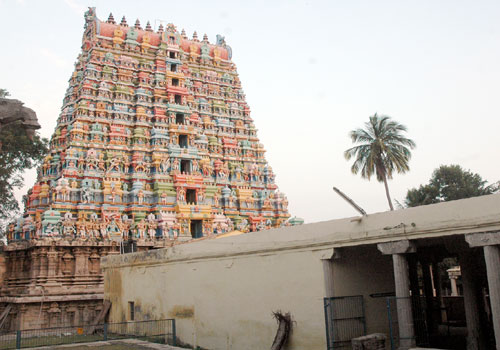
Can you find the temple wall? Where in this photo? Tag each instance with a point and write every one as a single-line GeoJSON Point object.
{"type": "Point", "coordinates": [53, 282]}
{"type": "Point", "coordinates": [227, 303]}
{"type": "Point", "coordinates": [222, 292]}
{"type": "Point", "coordinates": [3, 267]}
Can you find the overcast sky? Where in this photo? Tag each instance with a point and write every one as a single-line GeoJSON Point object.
{"type": "Point", "coordinates": [312, 71]}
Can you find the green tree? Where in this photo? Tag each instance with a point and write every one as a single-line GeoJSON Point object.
{"type": "Point", "coordinates": [449, 182]}
{"type": "Point", "coordinates": [381, 149]}
{"type": "Point", "coordinates": [17, 153]}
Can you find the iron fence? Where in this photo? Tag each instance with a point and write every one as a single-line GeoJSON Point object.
{"type": "Point", "coordinates": [157, 331]}
{"type": "Point", "coordinates": [344, 320]}
{"type": "Point", "coordinates": [418, 307]}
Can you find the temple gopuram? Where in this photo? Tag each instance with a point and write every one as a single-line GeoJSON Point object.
{"type": "Point", "coordinates": [154, 146]}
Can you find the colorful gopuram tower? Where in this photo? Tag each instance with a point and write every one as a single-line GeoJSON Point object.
{"type": "Point", "coordinates": [154, 144]}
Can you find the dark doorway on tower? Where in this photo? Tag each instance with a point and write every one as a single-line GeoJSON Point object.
{"type": "Point", "coordinates": [179, 118]}
{"type": "Point", "coordinates": [191, 196]}
{"type": "Point", "coordinates": [185, 166]}
{"type": "Point", "coordinates": [183, 141]}
{"type": "Point", "coordinates": [196, 228]}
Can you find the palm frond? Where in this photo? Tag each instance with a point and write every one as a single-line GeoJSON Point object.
{"type": "Point", "coordinates": [380, 148]}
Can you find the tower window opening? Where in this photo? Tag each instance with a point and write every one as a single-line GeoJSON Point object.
{"type": "Point", "coordinates": [186, 166]}
{"type": "Point", "coordinates": [173, 68]}
{"type": "Point", "coordinates": [179, 118]}
{"type": "Point", "coordinates": [183, 141]}
{"type": "Point", "coordinates": [175, 82]}
{"type": "Point", "coordinates": [178, 99]}
{"type": "Point", "coordinates": [172, 54]}
{"type": "Point", "coordinates": [191, 197]}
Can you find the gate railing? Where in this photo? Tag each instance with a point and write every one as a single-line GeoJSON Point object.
{"type": "Point", "coordinates": [344, 320]}
{"type": "Point", "coordinates": [421, 336]}
{"type": "Point", "coordinates": [157, 331]}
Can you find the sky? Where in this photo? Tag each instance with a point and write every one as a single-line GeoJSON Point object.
{"type": "Point", "coordinates": [312, 71]}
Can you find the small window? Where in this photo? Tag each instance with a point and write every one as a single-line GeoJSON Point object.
{"type": "Point", "coordinates": [175, 82]}
{"type": "Point", "coordinates": [173, 68]}
{"type": "Point", "coordinates": [131, 310]}
{"type": "Point", "coordinates": [172, 54]}
{"type": "Point", "coordinates": [179, 118]}
{"type": "Point", "coordinates": [191, 196]}
{"type": "Point", "coordinates": [178, 99]}
{"type": "Point", "coordinates": [186, 166]}
{"type": "Point", "coordinates": [183, 141]}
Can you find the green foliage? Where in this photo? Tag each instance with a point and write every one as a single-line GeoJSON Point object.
{"type": "Point", "coordinates": [4, 93]}
{"type": "Point", "coordinates": [17, 153]}
{"type": "Point", "coordinates": [449, 182]}
{"type": "Point", "coordinates": [381, 149]}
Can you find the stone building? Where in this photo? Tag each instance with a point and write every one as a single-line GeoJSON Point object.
{"type": "Point", "coordinates": [342, 278]}
{"type": "Point", "coordinates": [154, 145]}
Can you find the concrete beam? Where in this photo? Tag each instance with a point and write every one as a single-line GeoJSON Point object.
{"type": "Point", "coordinates": [397, 247]}
{"type": "Point", "coordinates": [483, 239]}
{"type": "Point", "coordinates": [327, 256]}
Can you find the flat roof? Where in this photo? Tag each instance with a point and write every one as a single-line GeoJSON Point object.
{"type": "Point", "coordinates": [478, 214]}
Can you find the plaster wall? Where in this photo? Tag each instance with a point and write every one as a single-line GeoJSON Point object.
{"type": "Point", "coordinates": [222, 291]}
{"type": "Point", "coordinates": [227, 303]}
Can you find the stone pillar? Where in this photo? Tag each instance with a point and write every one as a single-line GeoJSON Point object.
{"type": "Point", "coordinates": [21, 262]}
{"type": "Point", "coordinates": [398, 250]}
{"type": "Point", "coordinates": [491, 245]}
{"type": "Point", "coordinates": [467, 267]}
{"type": "Point", "coordinates": [492, 258]}
{"type": "Point", "coordinates": [43, 262]}
{"type": "Point", "coordinates": [52, 262]}
{"type": "Point", "coordinates": [454, 289]}
{"type": "Point", "coordinates": [328, 277]}
{"type": "Point", "coordinates": [14, 265]}
{"type": "Point", "coordinates": [21, 315]}
{"type": "Point", "coordinates": [327, 258]}
{"type": "Point", "coordinates": [81, 261]}
{"type": "Point", "coordinates": [79, 319]}
{"type": "Point", "coordinates": [35, 268]}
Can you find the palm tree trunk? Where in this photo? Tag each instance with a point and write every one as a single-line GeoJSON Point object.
{"type": "Point", "coordinates": [387, 193]}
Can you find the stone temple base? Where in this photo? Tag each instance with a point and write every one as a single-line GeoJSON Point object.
{"type": "Point", "coordinates": [54, 282]}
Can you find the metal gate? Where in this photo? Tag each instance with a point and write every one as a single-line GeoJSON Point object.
{"type": "Point", "coordinates": [344, 320]}
{"type": "Point", "coordinates": [419, 321]}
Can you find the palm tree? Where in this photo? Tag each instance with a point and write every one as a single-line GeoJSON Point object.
{"type": "Point", "coordinates": [381, 148]}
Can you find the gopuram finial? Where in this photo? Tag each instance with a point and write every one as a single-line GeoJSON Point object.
{"type": "Point", "coordinates": [205, 38]}
{"type": "Point", "coordinates": [183, 34]}
{"type": "Point", "coordinates": [124, 22]}
{"type": "Point", "coordinates": [160, 28]}
{"type": "Point", "coordinates": [195, 36]}
{"type": "Point", "coordinates": [137, 24]}
{"type": "Point", "coordinates": [111, 19]}
{"type": "Point", "coordinates": [148, 27]}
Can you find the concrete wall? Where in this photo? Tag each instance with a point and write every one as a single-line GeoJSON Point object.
{"type": "Point", "coordinates": [227, 303]}
{"type": "Point", "coordinates": [222, 291]}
